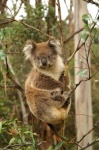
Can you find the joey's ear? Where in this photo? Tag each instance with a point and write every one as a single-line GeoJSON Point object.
{"type": "Point", "coordinates": [52, 42]}
{"type": "Point", "coordinates": [29, 48]}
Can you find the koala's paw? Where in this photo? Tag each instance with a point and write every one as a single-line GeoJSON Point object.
{"type": "Point", "coordinates": [66, 94]}
{"type": "Point", "coordinates": [55, 94]}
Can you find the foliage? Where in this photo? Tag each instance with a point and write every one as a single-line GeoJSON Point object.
{"type": "Point", "coordinates": [14, 135]}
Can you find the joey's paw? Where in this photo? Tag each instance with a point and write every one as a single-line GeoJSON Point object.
{"type": "Point", "coordinates": [55, 94]}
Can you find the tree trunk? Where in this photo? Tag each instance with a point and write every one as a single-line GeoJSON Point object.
{"type": "Point", "coordinates": [23, 109]}
{"type": "Point", "coordinates": [83, 102]}
{"type": "Point", "coordinates": [2, 6]}
{"type": "Point", "coordinates": [51, 16]}
{"type": "Point", "coordinates": [37, 2]}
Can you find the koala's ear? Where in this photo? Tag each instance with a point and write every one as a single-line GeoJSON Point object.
{"type": "Point", "coordinates": [52, 42]}
{"type": "Point", "coordinates": [29, 48]}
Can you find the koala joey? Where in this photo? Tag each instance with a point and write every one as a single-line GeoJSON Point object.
{"type": "Point", "coordinates": [44, 84]}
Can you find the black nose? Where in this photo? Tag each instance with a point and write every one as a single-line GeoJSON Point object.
{"type": "Point", "coordinates": [44, 61]}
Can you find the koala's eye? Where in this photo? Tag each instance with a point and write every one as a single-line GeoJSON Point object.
{"type": "Point", "coordinates": [38, 58]}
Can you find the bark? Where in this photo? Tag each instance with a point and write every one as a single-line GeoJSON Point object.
{"type": "Point", "coordinates": [23, 109]}
{"type": "Point", "coordinates": [37, 2]}
{"type": "Point", "coordinates": [51, 16]}
{"type": "Point", "coordinates": [26, 2]}
{"type": "Point", "coordinates": [2, 6]}
{"type": "Point", "coordinates": [83, 101]}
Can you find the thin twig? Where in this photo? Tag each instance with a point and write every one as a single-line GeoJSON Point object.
{"type": "Point", "coordinates": [9, 87]}
{"type": "Point", "coordinates": [92, 2]}
{"type": "Point", "coordinates": [71, 36]}
{"type": "Point", "coordinates": [18, 9]}
{"type": "Point", "coordinates": [69, 59]}
{"type": "Point", "coordinates": [12, 79]}
{"type": "Point", "coordinates": [60, 23]}
{"type": "Point", "coordinates": [7, 8]}
{"type": "Point", "coordinates": [90, 144]}
{"type": "Point", "coordinates": [23, 144]}
{"type": "Point", "coordinates": [80, 83]}
{"type": "Point", "coordinates": [82, 44]}
{"type": "Point", "coordinates": [88, 132]}
{"type": "Point", "coordinates": [27, 25]}
{"type": "Point", "coordinates": [6, 22]}
{"type": "Point", "coordinates": [66, 6]}
{"type": "Point", "coordinates": [85, 115]}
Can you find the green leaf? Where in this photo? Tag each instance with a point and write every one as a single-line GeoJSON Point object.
{"type": "Point", "coordinates": [94, 31]}
{"type": "Point", "coordinates": [82, 73]}
{"type": "Point", "coordinates": [58, 146]}
{"type": "Point", "coordinates": [0, 126]}
{"type": "Point", "coordinates": [33, 141]}
{"type": "Point", "coordinates": [1, 34]}
{"type": "Point", "coordinates": [85, 21]}
{"type": "Point", "coordinates": [50, 148]}
{"type": "Point", "coordinates": [26, 132]}
{"type": "Point", "coordinates": [2, 55]}
{"type": "Point", "coordinates": [86, 18]}
{"type": "Point", "coordinates": [96, 20]}
{"type": "Point", "coordinates": [83, 36]}
{"type": "Point", "coordinates": [11, 141]}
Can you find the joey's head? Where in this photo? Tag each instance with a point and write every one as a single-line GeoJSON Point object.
{"type": "Point", "coordinates": [43, 55]}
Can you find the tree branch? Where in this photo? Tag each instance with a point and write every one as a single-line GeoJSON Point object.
{"type": "Point", "coordinates": [71, 36]}
{"type": "Point", "coordinates": [27, 25]}
{"type": "Point", "coordinates": [16, 81]}
{"type": "Point", "coordinates": [82, 44]}
{"type": "Point", "coordinates": [60, 23]}
{"type": "Point", "coordinates": [88, 132]}
{"type": "Point", "coordinates": [90, 144]}
{"type": "Point", "coordinates": [92, 2]}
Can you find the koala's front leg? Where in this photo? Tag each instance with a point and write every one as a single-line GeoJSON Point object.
{"type": "Point", "coordinates": [58, 99]}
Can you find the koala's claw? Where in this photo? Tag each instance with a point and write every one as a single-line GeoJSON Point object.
{"type": "Point", "coordinates": [66, 94]}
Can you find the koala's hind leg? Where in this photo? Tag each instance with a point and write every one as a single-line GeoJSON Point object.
{"type": "Point", "coordinates": [56, 96]}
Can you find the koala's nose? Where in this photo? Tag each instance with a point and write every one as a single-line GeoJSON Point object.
{"type": "Point", "coordinates": [44, 61]}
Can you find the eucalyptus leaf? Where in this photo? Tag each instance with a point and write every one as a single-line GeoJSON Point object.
{"type": "Point", "coordinates": [86, 18]}
{"type": "Point", "coordinates": [96, 20]}
{"type": "Point", "coordinates": [83, 37]}
{"type": "Point", "coordinates": [82, 73]}
{"type": "Point", "coordinates": [11, 141]}
{"type": "Point", "coordinates": [50, 148]}
{"type": "Point", "coordinates": [2, 55]}
{"type": "Point", "coordinates": [58, 146]}
{"type": "Point", "coordinates": [0, 126]}
{"type": "Point", "coordinates": [94, 31]}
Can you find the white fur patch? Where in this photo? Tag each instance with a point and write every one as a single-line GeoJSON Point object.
{"type": "Point", "coordinates": [27, 51]}
{"type": "Point", "coordinates": [57, 44]}
{"type": "Point", "coordinates": [56, 70]}
{"type": "Point", "coordinates": [58, 47]}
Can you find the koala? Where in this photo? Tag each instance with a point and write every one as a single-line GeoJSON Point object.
{"type": "Point", "coordinates": [44, 84]}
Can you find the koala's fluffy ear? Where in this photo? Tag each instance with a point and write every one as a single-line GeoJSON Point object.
{"type": "Point", "coordinates": [52, 42]}
{"type": "Point", "coordinates": [29, 48]}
